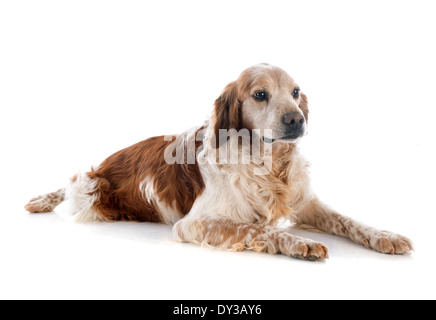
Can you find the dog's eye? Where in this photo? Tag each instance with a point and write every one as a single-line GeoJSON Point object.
{"type": "Point", "coordinates": [260, 95]}
{"type": "Point", "coordinates": [296, 93]}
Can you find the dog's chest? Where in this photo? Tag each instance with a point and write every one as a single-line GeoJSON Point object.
{"type": "Point", "coordinates": [280, 193]}
{"type": "Point", "coordinates": [238, 193]}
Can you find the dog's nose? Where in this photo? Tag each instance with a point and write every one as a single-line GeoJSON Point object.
{"type": "Point", "coordinates": [293, 120]}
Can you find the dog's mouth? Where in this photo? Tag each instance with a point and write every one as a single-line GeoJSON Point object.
{"type": "Point", "coordinates": [289, 138]}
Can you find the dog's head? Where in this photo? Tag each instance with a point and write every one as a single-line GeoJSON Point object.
{"type": "Point", "coordinates": [263, 97]}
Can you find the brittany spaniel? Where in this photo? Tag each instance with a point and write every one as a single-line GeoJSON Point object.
{"type": "Point", "coordinates": [226, 183]}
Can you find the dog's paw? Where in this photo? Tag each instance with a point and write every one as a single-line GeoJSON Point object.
{"type": "Point", "coordinates": [38, 205]}
{"type": "Point", "coordinates": [308, 250]}
{"type": "Point", "coordinates": [390, 243]}
{"type": "Point", "coordinates": [46, 202]}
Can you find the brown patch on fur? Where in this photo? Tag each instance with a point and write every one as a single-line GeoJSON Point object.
{"type": "Point", "coordinates": [227, 113]}
{"type": "Point", "coordinates": [118, 179]}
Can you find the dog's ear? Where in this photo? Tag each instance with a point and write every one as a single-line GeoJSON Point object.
{"type": "Point", "coordinates": [304, 106]}
{"type": "Point", "coordinates": [226, 112]}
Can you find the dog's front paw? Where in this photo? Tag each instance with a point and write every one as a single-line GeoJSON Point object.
{"type": "Point", "coordinates": [308, 250]}
{"type": "Point", "coordinates": [390, 243]}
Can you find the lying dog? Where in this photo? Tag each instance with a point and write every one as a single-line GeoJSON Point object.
{"type": "Point", "coordinates": [227, 183]}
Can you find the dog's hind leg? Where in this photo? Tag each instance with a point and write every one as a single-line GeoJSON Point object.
{"type": "Point", "coordinates": [81, 194]}
{"type": "Point", "coordinates": [46, 203]}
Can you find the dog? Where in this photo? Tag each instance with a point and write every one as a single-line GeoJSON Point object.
{"type": "Point", "coordinates": [220, 187]}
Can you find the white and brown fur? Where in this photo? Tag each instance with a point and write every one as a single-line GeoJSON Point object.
{"type": "Point", "coordinates": [222, 205]}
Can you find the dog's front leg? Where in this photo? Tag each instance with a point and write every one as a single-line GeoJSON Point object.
{"type": "Point", "coordinates": [227, 234]}
{"type": "Point", "coordinates": [320, 216]}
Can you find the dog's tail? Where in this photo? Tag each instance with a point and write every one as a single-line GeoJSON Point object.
{"type": "Point", "coordinates": [46, 202]}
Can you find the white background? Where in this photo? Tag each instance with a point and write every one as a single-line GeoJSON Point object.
{"type": "Point", "coordinates": [80, 80]}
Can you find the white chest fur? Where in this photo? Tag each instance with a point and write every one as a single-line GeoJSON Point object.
{"type": "Point", "coordinates": [234, 191]}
